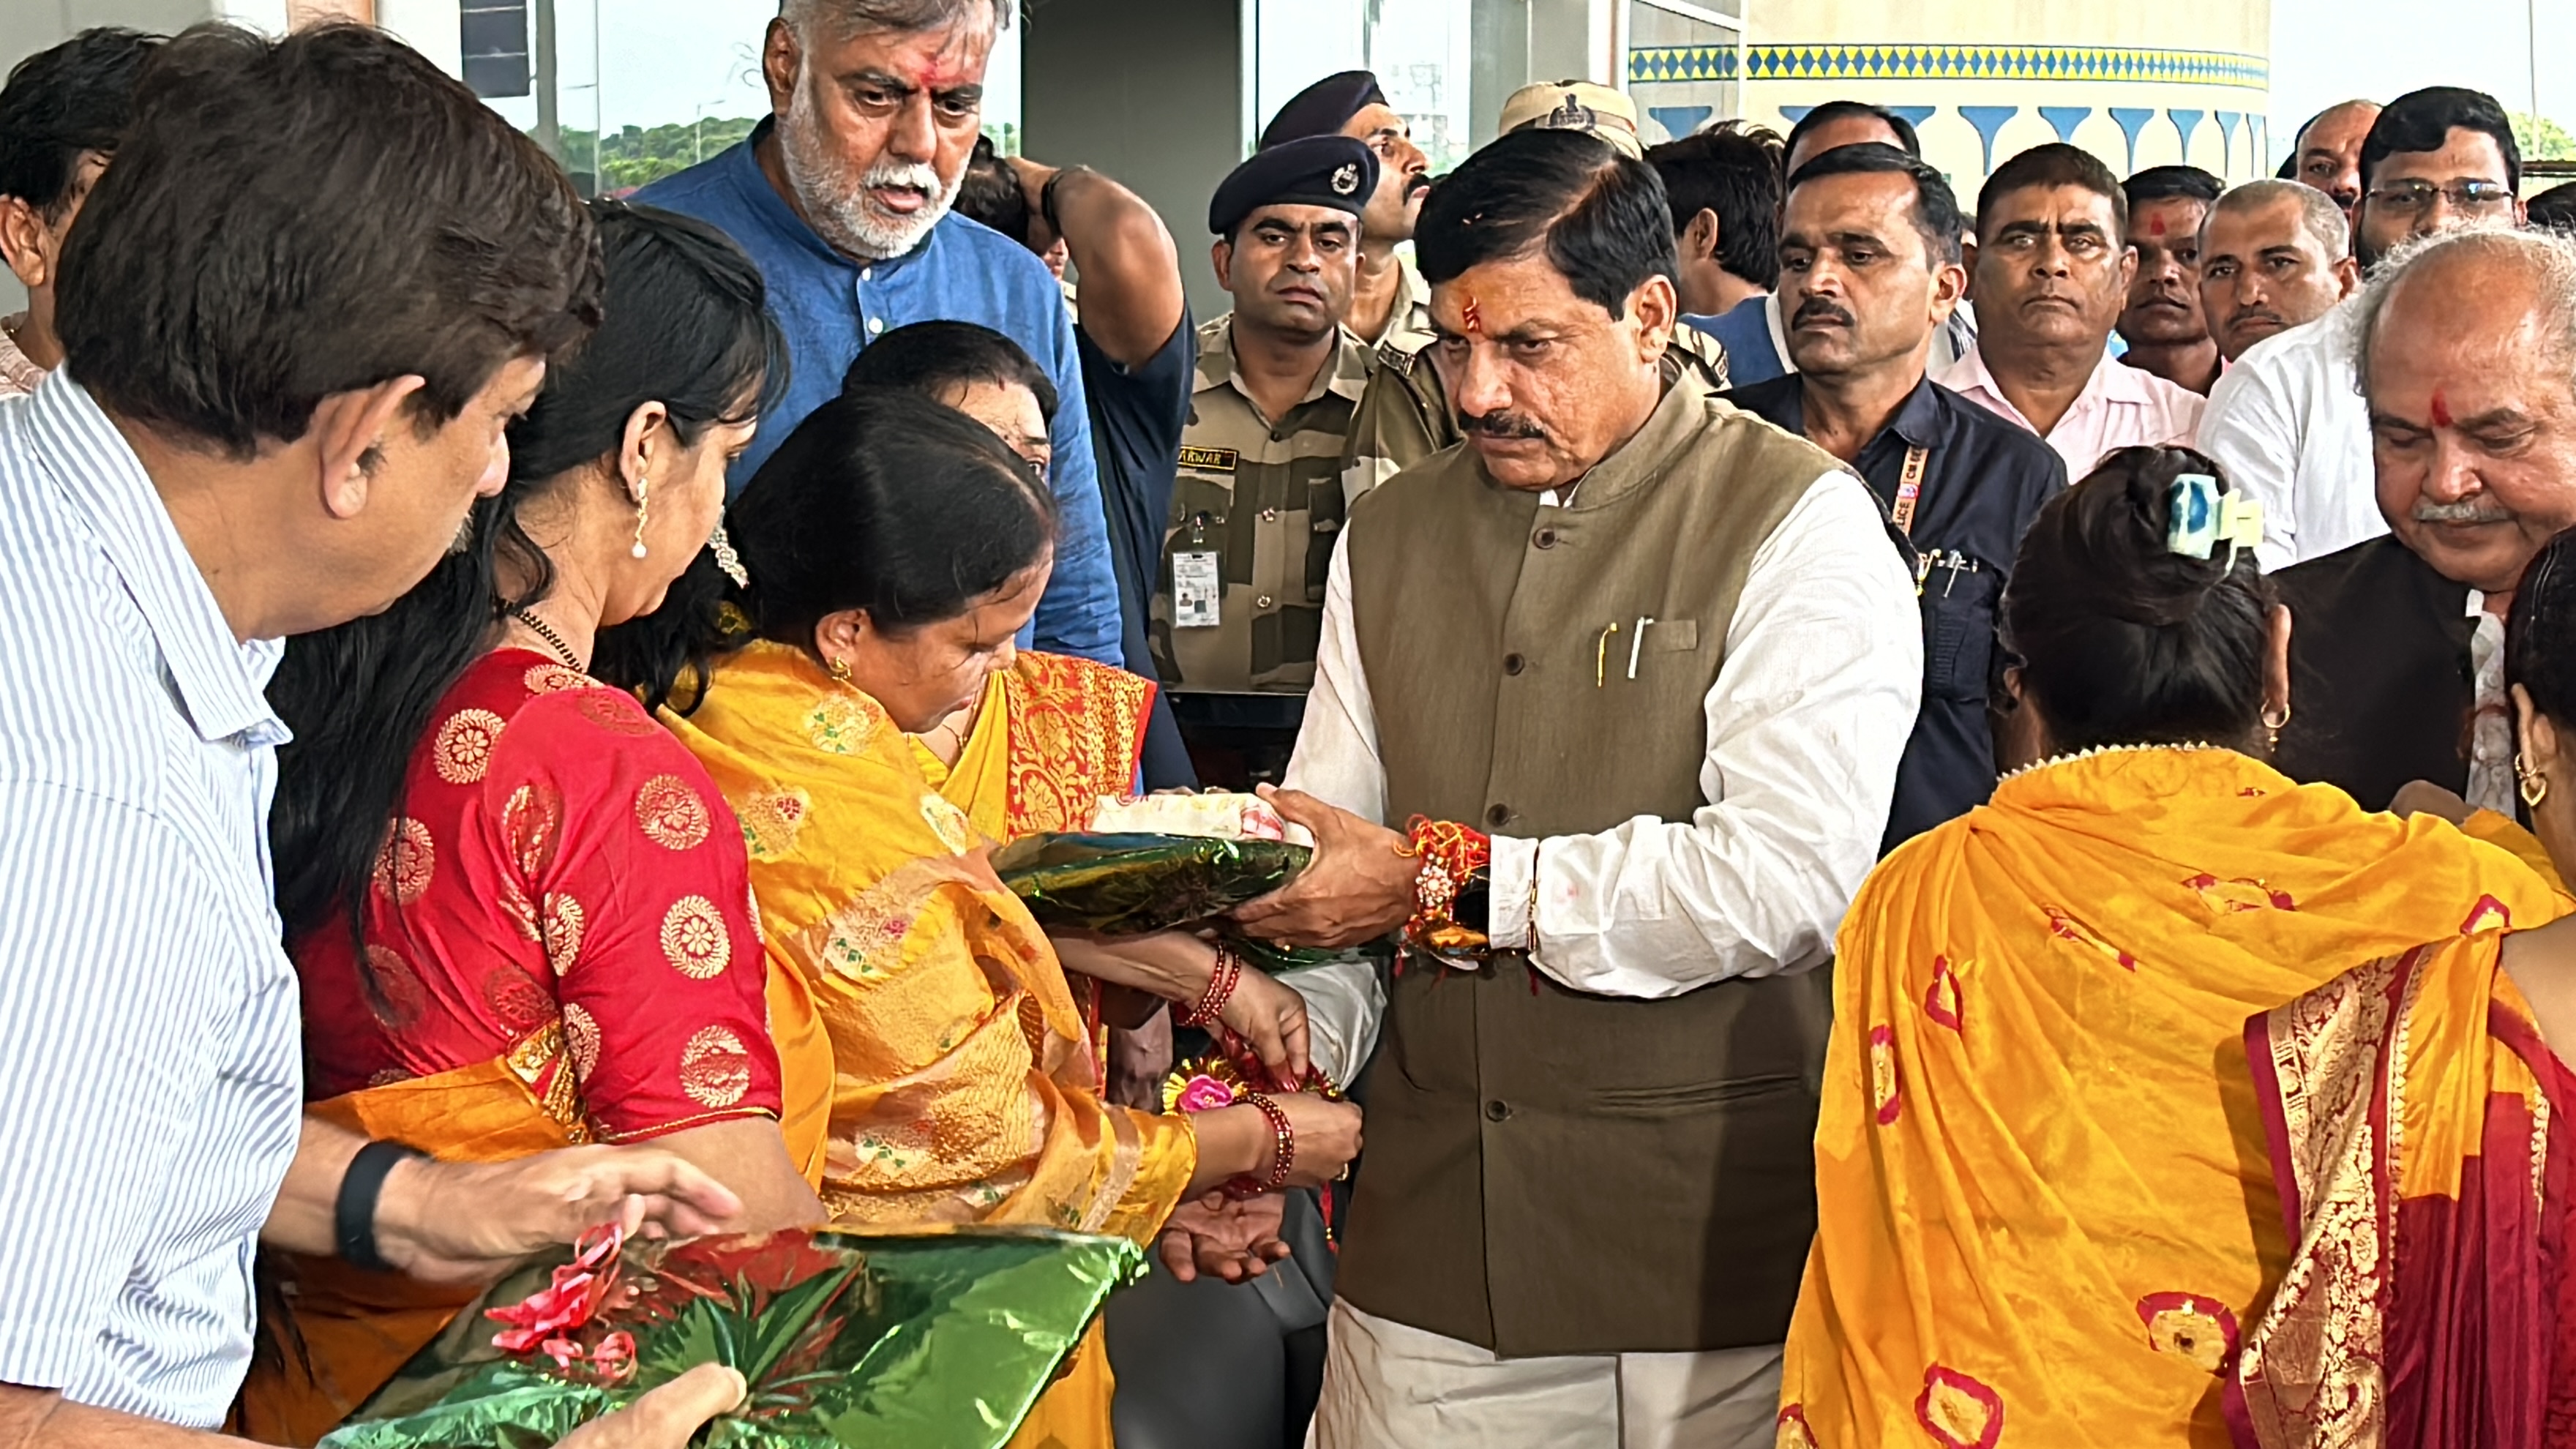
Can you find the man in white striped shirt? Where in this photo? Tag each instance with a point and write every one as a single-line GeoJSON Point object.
{"type": "Point", "coordinates": [296, 315]}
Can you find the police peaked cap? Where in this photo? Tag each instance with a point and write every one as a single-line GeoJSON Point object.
{"type": "Point", "coordinates": [1333, 171]}
{"type": "Point", "coordinates": [1324, 108]}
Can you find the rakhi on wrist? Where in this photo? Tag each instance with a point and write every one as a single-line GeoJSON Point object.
{"type": "Point", "coordinates": [1456, 861]}
{"type": "Point", "coordinates": [1211, 1083]}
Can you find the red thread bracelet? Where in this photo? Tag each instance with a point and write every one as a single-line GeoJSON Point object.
{"type": "Point", "coordinates": [1283, 1159]}
{"type": "Point", "coordinates": [1220, 988]}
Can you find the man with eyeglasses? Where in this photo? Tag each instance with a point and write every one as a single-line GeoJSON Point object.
{"type": "Point", "coordinates": [2287, 421]}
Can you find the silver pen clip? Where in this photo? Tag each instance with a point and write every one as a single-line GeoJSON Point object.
{"type": "Point", "coordinates": [1636, 642]}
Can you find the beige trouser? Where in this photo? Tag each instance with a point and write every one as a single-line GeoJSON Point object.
{"type": "Point", "coordinates": [1388, 1386]}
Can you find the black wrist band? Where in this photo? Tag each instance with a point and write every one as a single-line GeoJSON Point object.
{"type": "Point", "coordinates": [1046, 196]}
{"type": "Point", "coordinates": [1474, 908]}
{"type": "Point", "coordinates": [353, 1216]}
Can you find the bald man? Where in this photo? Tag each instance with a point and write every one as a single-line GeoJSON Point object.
{"type": "Point", "coordinates": [2328, 153]}
{"type": "Point", "coordinates": [2273, 255]}
{"type": "Point", "coordinates": [2396, 662]}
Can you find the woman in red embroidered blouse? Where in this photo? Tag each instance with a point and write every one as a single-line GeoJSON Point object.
{"type": "Point", "coordinates": [553, 881]}
{"type": "Point", "coordinates": [521, 912]}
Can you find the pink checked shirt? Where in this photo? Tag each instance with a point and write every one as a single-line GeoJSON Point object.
{"type": "Point", "coordinates": [2122, 406]}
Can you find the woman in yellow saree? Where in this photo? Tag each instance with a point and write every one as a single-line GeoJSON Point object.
{"type": "Point", "coordinates": [2423, 1135]}
{"type": "Point", "coordinates": [894, 550]}
{"type": "Point", "coordinates": [2045, 1206]}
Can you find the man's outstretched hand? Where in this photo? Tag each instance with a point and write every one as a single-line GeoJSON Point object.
{"type": "Point", "coordinates": [1356, 889]}
{"type": "Point", "coordinates": [1236, 1240]}
{"type": "Point", "coordinates": [466, 1221]}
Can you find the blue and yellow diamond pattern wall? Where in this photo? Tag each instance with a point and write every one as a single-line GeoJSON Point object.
{"type": "Point", "coordinates": [2139, 86]}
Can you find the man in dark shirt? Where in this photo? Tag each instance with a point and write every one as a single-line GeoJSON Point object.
{"type": "Point", "coordinates": [1138, 353]}
{"type": "Point", "coordinates": [1870, 270]}
{"type": "Point", "coordinates": [2397, 644]}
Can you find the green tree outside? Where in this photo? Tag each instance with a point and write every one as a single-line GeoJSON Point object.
{"type": "Point", "coordinates": [2542, 139]}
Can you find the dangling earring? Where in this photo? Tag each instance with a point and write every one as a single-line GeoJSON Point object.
{"type": "Point", "coordinates": [726, 559]}
{"type": "Point", "coordinates": [639, 550]}
{"type": "Point", "coordinates": [2272, 727]}
{"type": "Point", "coordinates": [2532, 785]}
{"type": "Point", "coordinates": [841, 670]}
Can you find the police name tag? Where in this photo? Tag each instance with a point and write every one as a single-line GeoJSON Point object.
{"type": "Point", "coordinates": [1197, 586]}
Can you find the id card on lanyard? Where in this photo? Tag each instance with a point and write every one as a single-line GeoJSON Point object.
{"type": "Point", "coordinates": [1909, 489]}
{"type": "Point", "coordinates": [1198, 583]}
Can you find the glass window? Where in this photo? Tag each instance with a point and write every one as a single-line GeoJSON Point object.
{"type": "Point", "coordinates": [645, 88]}
{"type": "Point", "coordinates": [1683, 63]}
{"type": "Point", "coordinates": [1420, 49]}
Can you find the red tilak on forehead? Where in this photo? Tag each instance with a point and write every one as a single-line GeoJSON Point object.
{"type": "Point", "coordinates": [2156, 225]}
{"type": "Point", "coordinates": [2441, 409]}
{"type": "Point", "coordinates": [1475, 319]}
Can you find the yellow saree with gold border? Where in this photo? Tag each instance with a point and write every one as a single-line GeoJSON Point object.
{"type": "Point", "coordinates": [2425, 1156]}
{"type": "Point", "coordinates": [1053, 735]}
{"type": "Point", "coordinates": [2045, 1202]}
{"type": "Point", "coordinates": [966, 1086]}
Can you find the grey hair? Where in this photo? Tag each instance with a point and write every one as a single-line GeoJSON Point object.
{"type": "Point", "coordinates": [855, 17]}
{"type": "Point", "coordinates": [2546, 258]}
{"type": "Point", "coordinates": [2318, 214]}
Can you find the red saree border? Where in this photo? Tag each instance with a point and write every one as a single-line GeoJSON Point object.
{"type": "Point", "coordinates": [2330, 1070]}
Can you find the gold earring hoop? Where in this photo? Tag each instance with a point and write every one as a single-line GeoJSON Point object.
{"type": "Point", "coordinates": [2272, 727]}
{"type": "Point", "coordinates": [841, 670]}
{"type": "Point", "coordinates": [2529, 783]}
{"type": "Point", "coordinates": [639, 550]}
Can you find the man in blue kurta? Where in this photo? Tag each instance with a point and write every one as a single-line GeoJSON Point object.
{"type": "Point", "coordinates": [843, 198]}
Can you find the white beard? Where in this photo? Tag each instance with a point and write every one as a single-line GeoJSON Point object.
{"type": "Point", "coordinates": [837, 202]}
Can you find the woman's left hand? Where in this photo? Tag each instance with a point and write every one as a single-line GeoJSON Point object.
{"type": "Point", "coordinates": [1271, 1018]}
{"type": "Point", "coordinates": [1233, 1240]}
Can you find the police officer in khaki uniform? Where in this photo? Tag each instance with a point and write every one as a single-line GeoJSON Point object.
{"type": "Point", "coordinates": [1271, 457]}
{"type": "Point", "coordinates": [1390, 303]}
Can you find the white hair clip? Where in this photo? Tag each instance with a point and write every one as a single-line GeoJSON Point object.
{"type": "Point", "coordinates": [2198, 518]}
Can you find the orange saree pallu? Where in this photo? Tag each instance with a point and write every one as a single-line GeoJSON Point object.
{"type": "Point", "coordinates": [2045, 1205]}
{"type": "Point", "coordinates": [2426, 1160]}
{"type": "Point", "coordinates": [331, 1335]}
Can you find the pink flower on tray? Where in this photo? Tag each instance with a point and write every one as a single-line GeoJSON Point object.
{"type": "Point", "coordinates": [2202, 1330]}
{"type": "Point", "coordinates": [1882, 1075]}
{"type": "Point", "coordinates": [579, 1290]}
{"type": "Point", "coordinates": [1957, 1411]}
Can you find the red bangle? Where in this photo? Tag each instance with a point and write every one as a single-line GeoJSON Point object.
{"type": "Point", "coordinates": [1220, 988]}
{"type": "Point", "coordinates": [1283, 1158]}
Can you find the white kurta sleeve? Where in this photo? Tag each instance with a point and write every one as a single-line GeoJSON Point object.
{"type": "Point", "coordinates": [2251, 430]}
{"type": "Point", "coordinates": [1810, 712]}
{"type": "Point", "coordinates": [1336, 759]}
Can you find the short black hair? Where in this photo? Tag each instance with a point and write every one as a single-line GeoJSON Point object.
{"type": "Point", "coordinates": [63, 103]}
{"type": "Point", "coordinates": [2168, 183]}
{"type": "Point", "coordinates": [288, 219]}
{"type": "Point", "coordinates": [1936, 206]}
{"type": "Point", "coordinates": [1597, 215]}
{"type": "Point", "coordinates": [1735, 173]}
{"type": "Point", "coordinates": [2554, 209]}
{"type": "Point", "coordinates": [1831, 111]}
{"type": "Point", "coordinates": [990, 192]}
{"type": "Point", "coordinates": [2423, 121]}
{"type": "Point", "coordinates": [2056, 164]}
{"type": "Point", "coordinates": [929, 358]}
